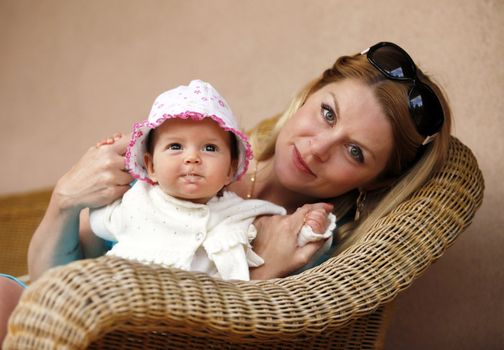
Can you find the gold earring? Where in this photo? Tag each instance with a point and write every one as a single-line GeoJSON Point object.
{"type": "Point", "coordinates": [360, 204]}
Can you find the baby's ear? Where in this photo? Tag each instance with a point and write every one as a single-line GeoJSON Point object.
{"type": "Point", "coordinates": [149, 166]}
{"type": "Point", "coordinates": [233, 168]}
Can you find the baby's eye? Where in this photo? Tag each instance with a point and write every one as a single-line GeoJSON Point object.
{"type": "Point", "coordinates": [210, 148]}
{"type": "Point", "coordinates": [175, 146]}
{"type": "Point", "coordinates": [356, 153]}
{"type": "Point", "coordinates": [328, 114]}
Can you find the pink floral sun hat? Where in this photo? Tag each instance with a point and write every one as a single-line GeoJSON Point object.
{"type": "Point", "coordinates": [197, 101]}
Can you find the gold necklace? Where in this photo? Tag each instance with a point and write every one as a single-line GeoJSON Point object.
{"type": "Point", "coordinates": [253, 177]}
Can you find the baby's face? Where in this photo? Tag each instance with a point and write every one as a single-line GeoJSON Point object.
{"type": "Point", "coordinates": [191, 159]}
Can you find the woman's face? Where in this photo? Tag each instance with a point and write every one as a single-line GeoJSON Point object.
{"type": "Point", "coordinates": [337, 141]}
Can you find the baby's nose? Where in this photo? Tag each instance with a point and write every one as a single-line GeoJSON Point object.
{"type": "Point", "coordinates": [192, 158]}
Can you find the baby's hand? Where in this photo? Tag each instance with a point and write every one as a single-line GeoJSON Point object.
{"type": "Point", "coordinates": [319, 223]}
{"type": "Point", "coordinates": [317, 220]}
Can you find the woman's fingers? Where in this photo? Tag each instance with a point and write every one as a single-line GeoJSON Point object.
{"type": "Point", "coordinates": [120, 144]}
{"type": "Point", "coordinates": [109, 140]}
{"type": "Point", "coordinates": [306, 252]}
{"type": "Point", "coordinates": [97, 179]}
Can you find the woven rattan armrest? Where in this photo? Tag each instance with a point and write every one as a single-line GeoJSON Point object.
{"type": "Point", "coordinates": [331, 306]}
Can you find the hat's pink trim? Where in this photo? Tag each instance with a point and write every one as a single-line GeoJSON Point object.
{"type": "Point", "coordinates": [140, 131]}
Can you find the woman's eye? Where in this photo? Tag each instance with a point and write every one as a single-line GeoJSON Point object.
{"type": "Point", "coordinates": [210, 148]}
{"type": "Point", "coordinates": [175, 146]}
{"type": "Point", "coordinates": [328, 114]}
{"type": "Point", "coordinates": [356, 153]}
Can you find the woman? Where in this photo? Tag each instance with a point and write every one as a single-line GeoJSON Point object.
{"type": "Point", "coordinates": [366, 134]}
{"type": "Point", "coordinates": [359, 135]}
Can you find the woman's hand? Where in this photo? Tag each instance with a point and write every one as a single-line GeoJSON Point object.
{"type": "Point", "coordinates": [64, 235]}
{"type": "Point", "coordinates": [110, 140]}
{"type": "Point", "coordinates": [97, 179]}
{"type": "Point", "coordinates": [276, 242]}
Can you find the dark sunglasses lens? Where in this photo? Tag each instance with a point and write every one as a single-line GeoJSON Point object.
{"type": "Point", "coordinates": [425, 110]}
{"type": "Point", "coordinates": [393, 61]}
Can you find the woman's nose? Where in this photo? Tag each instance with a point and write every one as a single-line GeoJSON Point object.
{"type": "Point", "coordinates": [320, 147]}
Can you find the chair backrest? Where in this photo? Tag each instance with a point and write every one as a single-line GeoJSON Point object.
{"type": "Point", "coordinates": [115, 303]}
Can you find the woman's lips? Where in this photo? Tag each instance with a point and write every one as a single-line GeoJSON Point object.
{"type": "Point", "coordinates": [300, 164]}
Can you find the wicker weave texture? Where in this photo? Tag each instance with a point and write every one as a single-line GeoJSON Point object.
{"type": "Point", "coordinates": [118, 304]}
{"type": "Point", "coordinates": [360, 334]}
{"type": "Point", "coordinates": [19, 217]}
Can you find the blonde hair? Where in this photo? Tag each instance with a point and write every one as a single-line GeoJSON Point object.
{"type": "Point", "coordinates": [410, 164]}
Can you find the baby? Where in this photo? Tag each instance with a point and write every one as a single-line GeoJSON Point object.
{"type": "Point", "coordinates": [178, 213]}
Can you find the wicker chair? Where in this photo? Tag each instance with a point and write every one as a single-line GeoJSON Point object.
{"type": "Point", "coordinates": [110, 303]}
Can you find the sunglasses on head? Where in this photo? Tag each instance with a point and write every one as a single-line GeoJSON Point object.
{"type": "Point", "coordinates": [424, 106]}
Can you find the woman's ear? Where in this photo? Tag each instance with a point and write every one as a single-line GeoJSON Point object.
{"type": "Point", "coordinates": [149, 166]}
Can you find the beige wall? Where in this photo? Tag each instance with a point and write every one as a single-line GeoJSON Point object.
{"type": "Point", "coordinates": [73, 72]}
